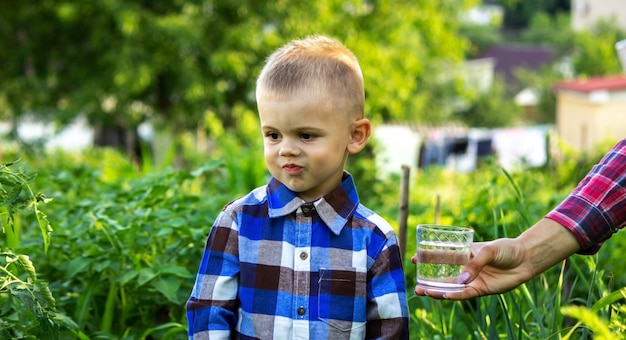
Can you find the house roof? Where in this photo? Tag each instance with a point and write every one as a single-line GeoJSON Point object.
{"type": "Point", "coordinates": [610, 83]}
{"type": "Point", "coordinates": [508, 58]}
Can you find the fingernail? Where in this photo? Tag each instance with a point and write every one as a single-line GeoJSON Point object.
{"type": "Point", "coordinates": [464, 277]}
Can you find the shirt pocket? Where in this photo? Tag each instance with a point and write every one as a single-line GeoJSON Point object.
{"type": "Point", "coordinates": [342, 298]}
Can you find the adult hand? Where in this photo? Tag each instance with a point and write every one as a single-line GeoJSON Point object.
{"type": "Point", "coordinates": [495, 267]}
{"type": "Point", "coordinates": [501, 265]}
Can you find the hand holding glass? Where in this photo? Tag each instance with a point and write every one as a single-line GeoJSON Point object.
{"type": "Point", "coordinates": [442, 253]}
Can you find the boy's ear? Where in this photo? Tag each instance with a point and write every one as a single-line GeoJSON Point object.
{"type": "Point", "coordinates": [361, 130]}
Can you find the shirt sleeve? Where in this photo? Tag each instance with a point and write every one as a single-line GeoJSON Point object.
{"type": "Point", "coordinates": [596, 209]}
{"type": "Point", "coordinates": [212, 306]}
{"type": "Point", "coordinates": [387, 308]}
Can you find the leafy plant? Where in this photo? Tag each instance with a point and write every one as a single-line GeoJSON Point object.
{"type": "Point", "coordinates": [127, 244]}
{"type": "Point", "coordinates": [15, 196]}
{"type": "Point", "coordinates": [608, 326]}
{"type": "Point", "coordinates": [27, 307]}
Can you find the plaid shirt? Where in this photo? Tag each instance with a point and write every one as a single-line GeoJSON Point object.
{"type": "Point", "coordinates": [597, 207]}
{"type": "Point", "coordinates": [276, 267]}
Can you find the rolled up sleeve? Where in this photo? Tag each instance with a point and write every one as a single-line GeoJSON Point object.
{"type": "Point", "coordinates": [596, 209]}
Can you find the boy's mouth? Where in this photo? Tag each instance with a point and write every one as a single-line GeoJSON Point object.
{"type": "Point", "coordinates": [292, 169]}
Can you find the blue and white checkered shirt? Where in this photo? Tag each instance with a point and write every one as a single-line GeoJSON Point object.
{"type": "Point", "coordinates": [276, 267]}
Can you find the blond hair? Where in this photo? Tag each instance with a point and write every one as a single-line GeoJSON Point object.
{"type": "Point", "coordinates": [320, 65]}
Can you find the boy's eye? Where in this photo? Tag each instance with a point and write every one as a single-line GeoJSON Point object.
{"type": "Point", "coordinates": [272, 135]}
{"type": "Point", "coordinates": [306, 136]}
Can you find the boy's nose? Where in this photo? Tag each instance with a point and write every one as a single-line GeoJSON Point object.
{"type": "Point", "coordinates": [288, 148]}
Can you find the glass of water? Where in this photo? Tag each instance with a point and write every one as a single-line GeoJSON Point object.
{"type": "Point", "coordinates": [442, 253]}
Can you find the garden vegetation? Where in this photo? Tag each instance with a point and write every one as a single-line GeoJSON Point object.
{"type": "Point", "coordinates": [93, 248]}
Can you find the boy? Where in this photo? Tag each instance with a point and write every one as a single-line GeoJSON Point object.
{"type": "Point", "coordinates": [301, 258]}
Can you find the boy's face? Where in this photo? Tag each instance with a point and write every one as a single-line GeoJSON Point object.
{"type": "Point", "coordinates": [306, 142]}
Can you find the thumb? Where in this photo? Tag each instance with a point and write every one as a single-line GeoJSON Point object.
{"type": "Point", "coordinates": [483, 253]}
{"type": "Point", "coordinates": [502, 253]}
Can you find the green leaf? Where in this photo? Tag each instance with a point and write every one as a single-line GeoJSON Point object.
{"type": "Point", "coordinates": [65, 321]}
{"type": "Point", "coordinates": [145, 275]}
{"type": "Point", "coordinates": [77, 265]}
{"type": "Point", "coordinates": [13, 194]}
{"type": "Point", "coordinates": [175, 270]}
{"type": "Point", "coordinates": [169, 287]}
{"type": "Point", "coordinates": [609, 299]}
{"type": "Point", "coordinates": [592, 321]}
{"type": "Point", "coordinates": [163, 213]}
{"type": "Point", "coordinates": [177, 222]}
{"type": "Point", "coordinates": [164, 231]}
{"type": "Point", "coordinates": [27, 265]}
{"type": "Point", "coordinates": [87, 299]}
{"type": "Point", "coordinates": [127, 276]}
{"type": "Point", "coordinates": [45, 228]}
{"type": "Point", "coordinates": [100, 266]}
{"type": "Point", "coordinates": [172, 327]}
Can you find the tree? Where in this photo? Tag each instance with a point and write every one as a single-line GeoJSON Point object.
{"type": "Point", "coordinates": [491, 109]}
{"type": "Point", "coordinates": [119, 63]}
{"type": "Point", "coordinates": [552, 31]}
{"type": "Point", "coordinates": [595, 50]}
{"type": "Point", "coordinates": [518, 14]}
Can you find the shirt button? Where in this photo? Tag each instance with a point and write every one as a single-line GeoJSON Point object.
{"type": "Point", "coordinates": [305, 209]}
{"type": "Point", "coordinates": [303, 256]}
{"type": "Point", "coordinates": [301, 311]}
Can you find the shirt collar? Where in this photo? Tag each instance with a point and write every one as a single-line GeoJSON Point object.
{"type": "Point", "coordinates": [335, 208]}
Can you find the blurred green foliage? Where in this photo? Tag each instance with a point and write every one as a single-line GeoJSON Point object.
{"type": "Point", "coordinates": [120, 63]}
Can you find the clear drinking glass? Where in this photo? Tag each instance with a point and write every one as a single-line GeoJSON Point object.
{"type": "Point", "coordinates": [442, 253]}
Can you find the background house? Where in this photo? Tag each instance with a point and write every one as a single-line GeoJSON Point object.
{"type": "Point", "coordinates": [509, 58]}
{"type": "Point", "coordinates": [585, 13]}
{"type": "Point", "coordinates": [591, 110]}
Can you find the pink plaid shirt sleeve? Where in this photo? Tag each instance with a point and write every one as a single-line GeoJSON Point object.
{"type": "Point", "coordinates": [596, 209]}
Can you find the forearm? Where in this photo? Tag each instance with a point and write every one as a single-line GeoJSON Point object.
{"type": "Point", "coordinates": [545, 244]}
{"type": "Point", "coordinates": [596, 209]}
